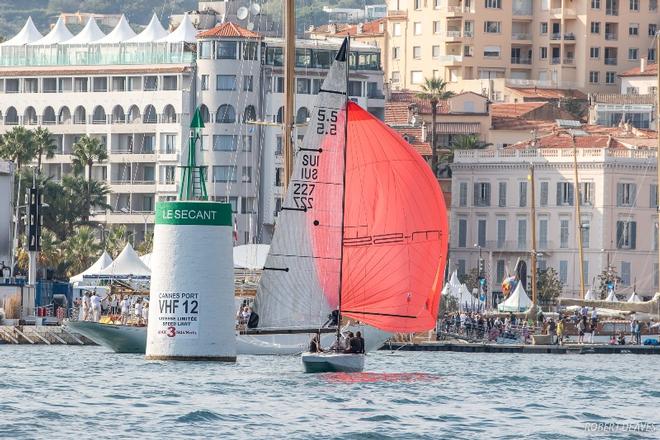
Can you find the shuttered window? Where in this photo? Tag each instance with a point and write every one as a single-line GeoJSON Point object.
{"type": "Point", "coordinates": [564, 194]}
{"type": "Point", "coordinates": [462, 194]}
{"type": "Point", "coordinates": [626, 234]}
{"type": "Point", "coordinates": [653, 196]}
{"type": "Point", "coordinates": [544, 194]}
{"type": "Point", "coordinates": [501, 232]}
{"type": "Point", "coordinates": [482, 194]}
{"type": "Point", "coordinates": [543, 234]}
{"type": "Point", "coordinates": [626, 194]}
{"type": "Point", "coordinates": [462, 233]}
{"type": "Point", "coordinates": [502, 195]}
{"type": "Point", "coordinates": [481, 233]}
{"type": "Point", "coordinates": [522, 202]}
{"type": "Point", "coordinates": [522, 234]}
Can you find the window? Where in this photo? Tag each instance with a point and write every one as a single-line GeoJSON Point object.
{"type": "Point", "coordinates": [437, 4]}
{"type": "Point", "coordinates": [544, 194]}
{"type": "Point", "coordinates": [304, 86]}
{"type": "Point", "coordinates": [233, 201]}
{"type": "Point", "coordinates": [650, 54]}
{"type": "Point", "coordinates": [395, 53]}
{"type": "Point", "coordinates": [653, 6]}
{"type": "Point", "coordinates": [204, 82]}
{"type": "Point", "coordinates": [564, 194]}
{"type": "Point", "coordinates": [169, 174]}
{"type": "Point", "coordinates": [653, 196]}
{"type": "Point", "coordinates": [417, 28]}
{"type": "Point", "coordinates": [205, 50]}
{"type": "Point", "coordinates": [634, 5]}
{"type": "Point", "coordinates": [150, 83]}
{"type": "Point", "coordinates": [435, 52]}
{"type": "Point", "coordinates": [481, 232]}
{"type": "Point", "coordinates": [625, 273]}
{"type": "Point", "coordinates": [416, 77]}
{"type": "Point", "coordinates": [522, 199]}
{"type": "Point", "coordinates": [610, 77]}
{"type": "Point", "coordinates": [482, 194]}
{"type": "Point", "coordinates": [248, 83]}
{"type": "Point", "coordinates": [417, 52]}
{"type": "Point", "coordinates": [633, 53]}
{"type": "Point", "coordinates": [543, 53]}
{"type": "Point", "coordinates": [278, 84]}
{"type": "Point", "coordinates": [355, 88]}
{"type": "Point", "coordinates": [246, 174]}
{"type": "Point", "coordinates": [633, 29]}
{"type": "Point", "coordinates": [225, 114]}
{"type": "Point", "coordinates": [594, 52]}
{"type": "Point", "coordinates": [225, 82]}
{"type": "Point", "coordinates": [563, 233]}
{"type": "Point", "coordinates": [224, 173]}
{"type": "Point", "coordinates": [653, 28]}
{"type": "Point", "coordinates": [500, 265]}
{"type": "Point", "coordinates": [170, 144]}
{"type": "Point", "coordinates": [436, 27]}
{"type": "Point", "coordinates": [493, 4]}
{"type": "Point", "coordinates": [593, 77]}
{"type": "Point", "coordinates": [544, 28]}
{"type": "Point", "coordinates": [632, 90]}
{"type": "Point", "coordinates": [396, 76]}
{"type": "Point", "coordinates": [586, 193]}
{"type": "Point", "coordinates": [522, 233]}
{"type": "Point", "coordinates": [460, 267]}
{"type": "Point", "coordinates": [417, 4]}
{"type": "Point", "coordinates": [248, 205]}
{"type": "Point", "coordinates": [225, 50]}
{"type": "Point", "coordinates": [462, 194]}
{"type": "Point", "coordinates": [396, 29]}
{"type": "Point", "coordinates": [462, 233]}
{"type": "Point", "coordinates": [595, 4]}
{"type": "Point", "coordinates": [501, 232]}
{"type": "Point", "coordinates": [626, 234]}
{"type": "Point", "coordinates": [586, 226]}
{"type": "Point", "coordinates": [563, 271]}
{"type": "Point", "coordinates": [595, 27]}
{"type": "Point", "coordinates": [250, 49]}
{"type": "Point", "coordinates": [585, 272]}
{"type": "Point", "coordinates": [492, 51]}
{"type": "Point", "coordinates": [625, 194]}
{"type": "Point", "coordinates": [502, 195]}
{"type": "Point", "coordinates": [655, 236]}
{"type": "Point", "coordinates": [543, 233]}
{"type": "Point", "coordinates": [492, 27]}
{"type": "Point", "coordinates": [224, 142]}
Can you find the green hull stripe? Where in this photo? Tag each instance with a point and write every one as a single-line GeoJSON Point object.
{"type": "Point", "coordinates": [193, 213]}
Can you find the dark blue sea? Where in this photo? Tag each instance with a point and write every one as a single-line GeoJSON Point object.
{"type": "Point", "coordinates": [76, 393]}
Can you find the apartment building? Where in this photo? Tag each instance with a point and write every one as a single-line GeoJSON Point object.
{"type": "Point", "coordinates": [581, 44]}
{"type": "Point", "coordinates": [618, 200]}
{"type": "Point", "coordinates": [136, 93]}
{"type": "Point", "coordinates": [6, 212]}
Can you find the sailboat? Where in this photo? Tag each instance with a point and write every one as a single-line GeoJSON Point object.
{"type": "Point", "coordinates": [363, 230]}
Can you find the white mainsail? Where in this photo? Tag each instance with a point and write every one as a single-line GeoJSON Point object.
{"type": "Point", "coordinates": [300, 280]}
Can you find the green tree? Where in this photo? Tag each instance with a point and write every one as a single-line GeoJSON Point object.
{"type": "Point", "coordinates": [86, 152]}
{"type": "Point", "coordinates": [469, 142]}
{"type": "Point", "coordinates": [82, 248]}
{"type": "Point", "coordinates": [17, 145]}
{"type": "Point", "coordinates": [548, 286]}
{"type": "Point", "coordinates": [434, 91]}
{"type": "Point", "coordinates": [116, 239]}
{"type": "Point", "coordinates": [471, 279]}
{"type": "Point", "coordinates": [44, 145]}
{"type": "Point", "coordinates": [604, 278]}
{"type": "Point", "coordinates": [146, 245]}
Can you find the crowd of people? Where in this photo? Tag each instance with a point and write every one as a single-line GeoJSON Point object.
{"type": "Point", "coordinates": [127, 309]}
{"type": "Point", "coordinates": [473, 325]}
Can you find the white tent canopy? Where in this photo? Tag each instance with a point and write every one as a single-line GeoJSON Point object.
{"type": "Point", "coordinates": [185, 33]}
{"type": "Point", "coordinates": [634, 298]}
{"type": "Point", "coordinates": [101, 263]}
{"type": "Point", "coordinates": [59, 34]}
{"type": "Point", "coordinates": [152, 33]}
{"type": "Point", "coordinates": [518, 301]}
{"type": "Point", "coordinates": [126, 265]}
{"type": "Point", "coordinates": [146, 259]}
{"type": "Point", "coordinates": [454, 283]}
{"type": "Point", "coordinates": [122, 32]}
{"type": "Point", "coordinates": [590, 296]}
{"type": "Point", "coordinates": [465, 295]}
{"type": "Point", "coordinates": [29, 34]}
{"type": "Point", "coordinates": [251, 256]}
{"type": "Point", "coordinates": [89, 34]}
{"type": "Point", "coordinates": [612, 297]}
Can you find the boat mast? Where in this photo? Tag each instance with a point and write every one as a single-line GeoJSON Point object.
{"type": "Point", "coordinates": [578, 217]}
{"type": "Point", "coordinates": [289, 87]}
{"type": "Point", "coordinates": [533, 219]}
{"type": "Point", "coordinates": [343, 189]}
{"type": "Point", "coordinates": [657, 151]}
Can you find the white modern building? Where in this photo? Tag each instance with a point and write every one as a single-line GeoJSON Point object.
{"type": "Point", "coordinates": [136, 93]}
{"type": "Point", "coordinates": [618, 200]}
{"type": "Point", "coordinates": [6, 212]}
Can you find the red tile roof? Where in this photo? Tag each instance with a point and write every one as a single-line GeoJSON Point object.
{"type": "Point", "coordinates": [514, 110]}
{"type": "Point", "coordinates": [423, 105]}
{"type": "Point", "coordinates": [230, 30]}
{"type": "Point", "coordinates": [397, 113]}
{"type": "Point", "coordinates": [414, 137]}
{"type": "Point", "coordinates": [522, 124]}
{"type": "Point", "coordinates": [597, 137]}
{"type": "Point", "coordinates": [650, 70]}
{"type": "Point", "coordinates": [538, 93]}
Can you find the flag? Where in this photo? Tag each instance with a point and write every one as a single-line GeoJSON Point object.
{"type": "Point", "coordinates": [235, 231]}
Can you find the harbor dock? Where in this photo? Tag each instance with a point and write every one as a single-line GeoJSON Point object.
{"type": "Point", "coordinates": [522, 348]}
{"type": "Point", "coordinates": [44, 335]}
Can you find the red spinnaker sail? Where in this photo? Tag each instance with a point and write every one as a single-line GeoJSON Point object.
{"type": "Point", "coordinates": [395, 230]}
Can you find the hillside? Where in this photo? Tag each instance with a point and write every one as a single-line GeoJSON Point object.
{"type": "Point", "coordinates": [13, 13]}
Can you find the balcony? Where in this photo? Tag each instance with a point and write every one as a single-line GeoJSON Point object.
{"type": "Point", "coordinates": [555, 36]}
{"type": "Point", "coordinates": [611, 36]}
{"type": "Point", "coordinates": [569, 61]}
{"type": "Point", "coordinates": [397, 14]}
{"type": "Point", "coordinates": [455, 11]}
{"type": "Point", "coordinates": [517, 36]}
{"type": "Point", "coordinates": [610, 61]}
{"type": "Point", "coordinates": [521, 60]}
{"type": "Point", "coordinates": [555, 60]}
{"type": "Point", "coordinates": [450, 59]}
{"type": "Point", "coordinates": [569, 37]}
{"type": "Point", "coordinates": [453, 35]}
{"type": "Point", "coordinates": [468, 34]}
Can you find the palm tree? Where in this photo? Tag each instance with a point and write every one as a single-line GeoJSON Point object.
{"type": "Point", "coordinates": [81, 250]}
{"type": "Point", "coordinates": [434, 91]}
{"type": "Point", "coordinates": [468, 142]}
{"type": "Point", "coordinates": [43, 144]}
{"type": "Point", "coordinates": [146, 245]}
{"type": "Point", "coordinates": [86, 152]}
{"type": "Point", "coordinates": [116, 240]}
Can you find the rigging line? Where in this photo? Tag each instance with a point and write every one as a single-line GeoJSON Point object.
{"type": "Point", "coordinates": [380, 314]}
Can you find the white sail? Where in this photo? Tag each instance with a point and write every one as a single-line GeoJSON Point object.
{"type": "Point", "coordinates": [300, 280]}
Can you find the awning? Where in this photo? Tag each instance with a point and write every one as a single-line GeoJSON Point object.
{"type": "Point", "coordinates": [457, 127]}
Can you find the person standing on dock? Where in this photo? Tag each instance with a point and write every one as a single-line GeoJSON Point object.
{"type": "Point", "coordinates": [86, 307]}
{"type": "Point", "coordinates": [95, 302]}
{"type": "Point", "coordinates": [560, 332]}
{"type": "Point", "coordinates": [145, 313]}
{"type": "Point", "coordinates": [125, 307]}
{"type": "Point", "coordinates": [138, 311]}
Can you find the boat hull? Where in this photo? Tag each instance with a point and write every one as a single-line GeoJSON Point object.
{"type": "Point", "coordinates": [333, 362]}
{"type": "Point", "coordinates": [130, 339]}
